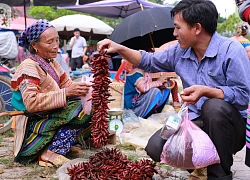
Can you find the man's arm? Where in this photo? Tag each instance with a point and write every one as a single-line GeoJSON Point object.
{"type": "Point", "coordinates": [84, 51]}
{"type": "Point", "coordinates": [72, 41]}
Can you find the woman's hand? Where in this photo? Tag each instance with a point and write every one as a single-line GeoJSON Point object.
{"type": "Point", "coordinates": [163, 79]}
{"type": "Point", "coordinates": [77, 89]}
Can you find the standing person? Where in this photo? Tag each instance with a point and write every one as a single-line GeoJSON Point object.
{"type": "Point", "coordinates": [79, 48]}
{"type": "Point", "coordinates": [244, 12]}
{"type": "Point", "coordinates": [214, 72]}
{"type": "Point", "coordinates": [42, 87]}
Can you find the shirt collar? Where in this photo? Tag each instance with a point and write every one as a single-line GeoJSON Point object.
{"type": "Point", "coordinates": [211, 51]}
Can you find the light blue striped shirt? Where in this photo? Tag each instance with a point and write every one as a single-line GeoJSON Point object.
{"type": "Point", "coordinates": [225, 65]}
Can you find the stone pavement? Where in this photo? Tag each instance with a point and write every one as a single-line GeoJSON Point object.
{"type": "Point", "coordinates": [239, 169]}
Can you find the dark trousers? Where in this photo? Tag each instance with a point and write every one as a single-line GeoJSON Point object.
{"type": "Point", "coordinates": [225, 127]}
{"type": "Point", "coordinates": [76, 63]}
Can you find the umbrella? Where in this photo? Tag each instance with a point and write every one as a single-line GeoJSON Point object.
{"type": "Point", "coordinates": [145, 29]}
{"type": "Point", "coordinates": [113, 8]}
{"type": "Point", "coordinates": [61, 2]}
{"type": "Point", "coordinates": [166, 45]}
{"type": "Point", "coordinates": [88, 25]}
{"type": "Point", "coordinates": [16, 2]}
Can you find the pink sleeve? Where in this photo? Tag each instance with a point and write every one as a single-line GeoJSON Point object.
{"type": "Point", "coordinates": [145, 83]}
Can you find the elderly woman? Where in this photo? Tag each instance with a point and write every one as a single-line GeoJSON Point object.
{"type": "Point", "coordinates": [42, 88]}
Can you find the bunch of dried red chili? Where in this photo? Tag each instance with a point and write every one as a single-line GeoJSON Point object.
{"type": "Point", "coordinates": [111, 164]}
{"type": "Point", "coordinates": [100, 95]}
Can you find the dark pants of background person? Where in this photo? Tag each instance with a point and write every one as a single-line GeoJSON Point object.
{"type": "Point", "coordinates": [76, 63]}
{"type": "Point", "coordinates": [226, 128]}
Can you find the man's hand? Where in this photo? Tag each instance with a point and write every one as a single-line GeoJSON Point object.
{"type": "Point", "coordinates": [192, 94]}
{"type": "Point", "coordinates": [108, 46]}
{"type": "Point", "coordinates": [85, 58]}
{"type": "Point", "coordinates": [77, 89]}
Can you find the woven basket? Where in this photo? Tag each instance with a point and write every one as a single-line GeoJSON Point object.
{"type": "Point", "coordinates": [116, 91]}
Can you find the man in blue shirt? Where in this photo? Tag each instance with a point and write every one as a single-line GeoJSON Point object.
{"type": "Point", "coordinates": [214, 73]}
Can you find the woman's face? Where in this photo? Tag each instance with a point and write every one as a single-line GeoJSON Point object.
{"type": "Point", "coordinates": [48, 43]}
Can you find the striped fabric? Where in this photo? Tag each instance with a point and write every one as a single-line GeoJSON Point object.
{"type": "Point", "coordinates": [145, 83]}
{"type": "Point", "coordinates": [247, 160]}
{"type": "Point", "coordinates": [46, 66]}
{"type": "Point", "coordinates": [40, 92]}
{"type": "Point", "coordinates": [154, 99]}
{"type": "Point", "coordinates": [41, 130]}
{"type": "Point", "coordinates": [248, 128]}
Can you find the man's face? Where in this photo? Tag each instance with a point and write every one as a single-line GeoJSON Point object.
{"type": "Point", "coordinates": [185, 34]}
{"type": "Point", "coordinates": [77, 34]}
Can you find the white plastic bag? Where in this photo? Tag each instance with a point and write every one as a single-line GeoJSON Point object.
{"type": "Point", "coordinates": [173, 122]}
{"type": "Point", "coordinates": [86, 103]}
{"type": "Point", "coordinates": [189, 148]}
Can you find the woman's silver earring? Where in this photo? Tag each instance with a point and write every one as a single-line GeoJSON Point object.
{"type": "Point", "coordinates": [36, 50]}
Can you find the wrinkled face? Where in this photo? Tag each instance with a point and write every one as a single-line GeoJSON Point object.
{"type": "Point", "coordinates": [185, 34]}
{"type": "Point", "coordinates": [48, 43]}
{"type": "Point", "coordinates": [77, 34]}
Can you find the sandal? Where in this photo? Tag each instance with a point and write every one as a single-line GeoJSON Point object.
{"type": "Point", "coordinates": [44, 163]}
{"type": "Point", "coordinates": [59, 161]}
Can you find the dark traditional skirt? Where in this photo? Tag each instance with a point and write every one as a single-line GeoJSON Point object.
{"type": "Point", "coordinates": [48, 131]}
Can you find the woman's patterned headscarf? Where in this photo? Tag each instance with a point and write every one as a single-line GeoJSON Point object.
{"type": "Point", "coordinates": [33, 32]}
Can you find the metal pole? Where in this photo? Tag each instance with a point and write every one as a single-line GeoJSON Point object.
{"type": "Point", "coordinates": [24, 6]}
{"type": "Point", "coordinates": [150, 36]}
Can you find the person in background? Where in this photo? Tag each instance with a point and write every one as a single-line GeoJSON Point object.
{"type": "Point", "coordinates": [143, 95]}
{"type": "Point", "coordinates": [79, 48]}
{"type": "Point", "coordinates": [242, 31]}
{"type": "Point", "coordinates": [21, 54]}
{"type": "Point", "coordinates": [62, 61]}
{"type": "Point", "coordinates": [215, 74]}
{"type": "Point", "coordinates": [55, 117]}
{"type": "Point", "coordinates": [244, 12]}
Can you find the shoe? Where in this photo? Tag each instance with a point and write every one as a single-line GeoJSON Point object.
{"type": "Point", "coordinates": [44, 163]}
{"type": "Point", "coordinates": [59, 161]}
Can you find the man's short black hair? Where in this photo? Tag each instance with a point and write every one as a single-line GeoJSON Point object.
{"type": "Point", "coordinates": [76, 29]}
{"type": "Point", "coordinates": [198, 11]}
